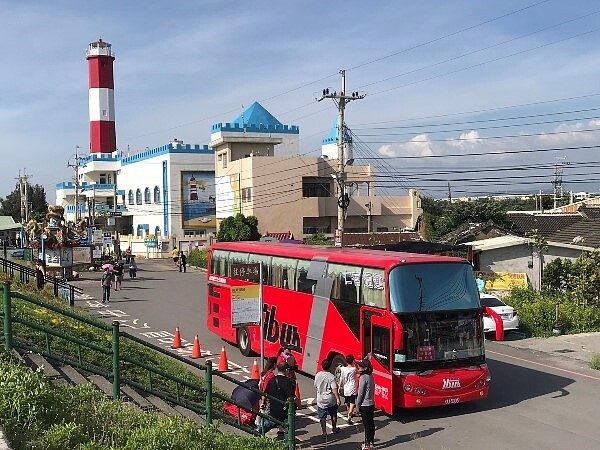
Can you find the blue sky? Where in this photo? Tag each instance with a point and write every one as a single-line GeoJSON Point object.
{"type": "Point", "coordinates": [489, 96]}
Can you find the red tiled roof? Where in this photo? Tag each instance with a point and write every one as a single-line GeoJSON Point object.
{"type": "Point", "coordinates": [280, 236]}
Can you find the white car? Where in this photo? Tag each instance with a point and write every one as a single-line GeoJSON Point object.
{"type": "Point", "coordinates": [508, 314]}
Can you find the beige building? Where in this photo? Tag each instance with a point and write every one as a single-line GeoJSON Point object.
{"type": "Point", "coordinates": [296, 193]}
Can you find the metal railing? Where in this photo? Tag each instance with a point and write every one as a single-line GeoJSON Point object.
{"type": "Point", "coordinates": [60, 288]}
{"type": "Point", "coordinates": [119, 364]}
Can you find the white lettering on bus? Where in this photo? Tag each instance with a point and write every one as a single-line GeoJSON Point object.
{"type": "Point", "coordinates": [451, 401]}
{"type": "Point", "coordinates": [285, 333]}
{"type": "Point", "coordinates": [450, 383]}
{"type": "Point", "coordinates": [382, 391]}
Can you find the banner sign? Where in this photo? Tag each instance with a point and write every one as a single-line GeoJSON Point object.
{"type": "Point", "coordinates": [504, 280]}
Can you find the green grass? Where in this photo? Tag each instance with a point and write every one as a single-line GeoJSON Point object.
{"type": "Point", "coordinates": [595, 362]}
{"type": "Point", "coordinates": [37, 415]}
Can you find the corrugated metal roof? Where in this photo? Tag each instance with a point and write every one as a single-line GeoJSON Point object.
{"type": "Point", "coordinates": [8, 223]}
{"type": "Point", "coordinates": [497, 242]}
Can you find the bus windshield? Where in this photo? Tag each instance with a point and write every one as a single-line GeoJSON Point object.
{"type": "Point", "coordinates": [432, 287]}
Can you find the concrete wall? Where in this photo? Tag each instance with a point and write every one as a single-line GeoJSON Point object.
{"type": "Point", "coordinates": [517, 257]}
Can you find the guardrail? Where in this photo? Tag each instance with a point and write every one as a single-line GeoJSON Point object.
{"type": "Point", "coordinates": [123, 368]}
{"type": "Point", "coordinates": [60, 287]}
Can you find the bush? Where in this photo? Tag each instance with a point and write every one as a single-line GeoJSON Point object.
{"type": "Point", "coordinates": [537, 313]}
{"type": "Point", "coordinates": [38, 415]}
{"type": "Point", "coordinates": [198, 258]}
{"type": "Point", "coordinates": [595, 363]}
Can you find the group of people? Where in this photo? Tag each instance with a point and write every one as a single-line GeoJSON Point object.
{"type": "Point", "coordinates": [115, 273]}
{"type": "Point", "coordinates": [179, 259]}
{"type": "Point", "coordinates": [354, 383]}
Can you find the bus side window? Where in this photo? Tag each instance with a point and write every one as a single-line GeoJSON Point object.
{"type": "Point", "coordinates": [346, 282]}
{"type": "Point", "coordinates": [236, 258]}
{"type": "Point", "coordinates": [381, 345]}
{"type": "Point", "coordinates": [283, 272]}
{"type": "Point", "coordinates": [218, 263]}
{"type": "Point", "coordinates": [372, 291]}
{"type": "Point", "coordinates": [266, 266]}
{"type": "Point", "coordinates": [304, 284]}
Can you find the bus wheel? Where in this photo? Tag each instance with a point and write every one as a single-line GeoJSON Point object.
{"type": "Point", "coordinates": [243, 341]}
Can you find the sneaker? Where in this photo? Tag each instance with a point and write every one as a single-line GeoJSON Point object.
{"type": "Point", "coordinates": [349, 419]}
{"type": "Point", "coordinates": [335, 430]}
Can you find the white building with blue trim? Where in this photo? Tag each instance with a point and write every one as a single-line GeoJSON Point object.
{"type": "Point", "coordinates": [166, 192]}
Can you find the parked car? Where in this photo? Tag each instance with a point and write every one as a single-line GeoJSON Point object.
{"type": "Point", "coordinates": [508, 314]}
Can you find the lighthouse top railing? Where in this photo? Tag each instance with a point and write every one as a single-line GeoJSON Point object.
{"type": "Point", "coordinates": [100, 48]}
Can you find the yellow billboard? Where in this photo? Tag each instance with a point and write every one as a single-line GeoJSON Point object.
{"type": "Point", "coordinates": [495, 281]}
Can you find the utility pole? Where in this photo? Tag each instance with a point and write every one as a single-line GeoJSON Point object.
{"type": "Point", "coordinates": [340, 99]}
{"type": "Point", "coordinates": [75, 165]}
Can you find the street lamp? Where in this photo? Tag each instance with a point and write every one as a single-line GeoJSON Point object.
{"type": "Point", "coordinates": [43, 247]}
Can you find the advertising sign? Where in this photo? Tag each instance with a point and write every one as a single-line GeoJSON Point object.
{"type": "Point", "coordinates": [245, 305]}
{"type": "Point", "coordinates": [198, 200]}
{"type": "Point", "coordinates": [228, 195]}
{"type": "Point", "coordinates": [82, 255]}
{"type": "Point", "coordinates": [504, 280]}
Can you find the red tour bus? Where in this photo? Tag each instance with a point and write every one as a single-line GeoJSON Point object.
{"type": "Point", "coordinates": [418, 316]}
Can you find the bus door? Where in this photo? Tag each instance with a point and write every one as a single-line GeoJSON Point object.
{"type": "Point", "coordinates": [377, 340]}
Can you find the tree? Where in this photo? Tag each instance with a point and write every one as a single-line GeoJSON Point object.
{"type": "Point", "coordinates": [442, 217]}
{"type": "Point", "coordinates": [318, 239]}
{"type": "Point", "coordinates": [238, 228]}
{"type": "Point", "coordinates": [36, 194]}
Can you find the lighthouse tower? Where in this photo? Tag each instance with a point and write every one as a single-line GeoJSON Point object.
{"type": "Point", "coordinates": [101, 98]}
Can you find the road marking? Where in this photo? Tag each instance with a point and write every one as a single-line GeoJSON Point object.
{"type": "Point", "coordinates": [545, 365]}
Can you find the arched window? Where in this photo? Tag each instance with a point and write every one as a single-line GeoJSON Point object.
{"type": "Point", "coordinates": [130, 197]}
{"type": "Point", "coordinates": [138, 197]}
{"type": "Point", "coordinates": [156, 194]}
{"type": "Point", "coordinates": [147, 195]}
{"type": "Point", "coordinates": [157, 231]}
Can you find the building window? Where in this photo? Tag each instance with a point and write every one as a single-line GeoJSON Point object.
{"type": "Point", "coordinates": [102, 178]}
{"type": "Point", "coordinates": [138, 197]}
{"type": "Point", "coordinates": [130, 197]}
{"type": "Point", "coordinates": [314, 187]}
{"type": "Point", "coordinates": [156, 194]}
{"type": "Point", "coordinates": [247, 195]}
{"type": "Point", "coordinates": [147, 195]}
{"type": "Point", "coordinates": [223, 158]}
{"type": "Point", "coordinates": [157, 231]}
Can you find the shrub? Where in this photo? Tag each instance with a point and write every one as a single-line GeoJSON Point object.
{"type": "Point", "coordinates": [537, 312]}
{"type": "Point", "coordinates": [595, 362]}
{"type": "Point", "coordinates": [198, 258]}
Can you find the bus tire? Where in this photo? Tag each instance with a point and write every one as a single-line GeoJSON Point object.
{"type": "Point", "coordinates": [243, 341]}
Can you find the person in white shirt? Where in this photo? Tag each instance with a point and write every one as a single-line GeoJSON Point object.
{"type": "Point", "coordinates": [328, 397]}
{"type": "Point", "coordinates": [348, 386]}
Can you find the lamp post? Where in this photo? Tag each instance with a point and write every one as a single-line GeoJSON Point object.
{"type": "Point", "coordinates": [43, 247]}
{"type": "Point", "coordinates": [369, 205]}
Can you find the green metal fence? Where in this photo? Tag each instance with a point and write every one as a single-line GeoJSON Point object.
{"type": "Point", "coordinates": [120, 362]}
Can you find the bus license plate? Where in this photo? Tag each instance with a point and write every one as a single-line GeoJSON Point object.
{"type": "Point", "coordinates": [451, 401]}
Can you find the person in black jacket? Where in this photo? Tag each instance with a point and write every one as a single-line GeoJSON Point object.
{"type": "Point", "coordinates": [40, 274]}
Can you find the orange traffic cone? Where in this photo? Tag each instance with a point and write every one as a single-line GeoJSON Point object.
{"type": "Point", "coordinates": [223, 365]}
{"type": "Point", "coordinates": [297, 393]}
{"type": "Point", "coordinates": [255, 374]}
{"type": "Point", "coordinates": [196, 353]}
{"type": "Point", "coordinates": [176, 339]}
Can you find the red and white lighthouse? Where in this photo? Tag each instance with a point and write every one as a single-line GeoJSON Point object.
{"type": "Point", "coordinates": [101, 98]}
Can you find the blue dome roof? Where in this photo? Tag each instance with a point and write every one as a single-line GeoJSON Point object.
{"type": "Point", "coordinates": [255, 114]}
{"type": "Point", "coordinates": [332, 138]}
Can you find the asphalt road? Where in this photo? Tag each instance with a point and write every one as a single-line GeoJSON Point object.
{"type": "Point", "coordinates": [534, 401]}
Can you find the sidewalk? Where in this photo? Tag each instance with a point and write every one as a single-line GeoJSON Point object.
{"type": "Point", "coordinates": [581, 346]}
